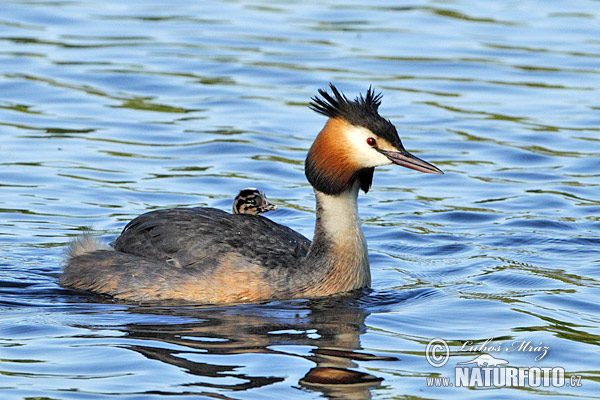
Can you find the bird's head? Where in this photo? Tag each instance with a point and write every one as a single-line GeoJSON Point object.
{"type": "Point", "coordinates": [354, 141]}
{"type": "Point", "coordinates": [252, 201]}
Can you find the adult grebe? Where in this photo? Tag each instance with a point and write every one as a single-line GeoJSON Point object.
{"type": "Point", "coordinates": [206, 255]}
{"type": "Point", "coordinates": [252, 201]}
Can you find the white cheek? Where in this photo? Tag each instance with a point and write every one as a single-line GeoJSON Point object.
{"type": "Point", "coordinates": [361, 152]}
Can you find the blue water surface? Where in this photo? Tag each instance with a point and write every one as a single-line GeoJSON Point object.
{"type": "Point", "coordinates": [110, 109]}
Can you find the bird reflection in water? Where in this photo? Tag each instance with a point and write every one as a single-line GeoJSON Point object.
{"type": "Point", "coordinates": [331, 327]}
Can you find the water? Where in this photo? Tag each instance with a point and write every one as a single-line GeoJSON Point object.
{"type": "Point", "coordinates": [109, 109]}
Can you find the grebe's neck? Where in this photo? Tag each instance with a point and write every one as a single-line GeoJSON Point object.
{"type": "Point", "coordinates": [338, 254]}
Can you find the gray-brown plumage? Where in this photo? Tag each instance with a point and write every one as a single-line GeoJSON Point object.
{"type": "Point", "coordinates": [206, 255]}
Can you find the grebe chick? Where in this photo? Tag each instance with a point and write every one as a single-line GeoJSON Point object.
{"type": "Point", "coordinates": [205, 255]}
{"type": "Point", "coordinates": [252, 201]}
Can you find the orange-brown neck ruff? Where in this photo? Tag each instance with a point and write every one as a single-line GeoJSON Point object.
{"type": "Point", "coordinates": [329, 166]}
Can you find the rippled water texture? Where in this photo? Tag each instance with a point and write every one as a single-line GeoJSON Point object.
{"type": "Point", "coordinates": [109, 109]}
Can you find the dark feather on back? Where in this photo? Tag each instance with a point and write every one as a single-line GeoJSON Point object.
{"type": "Point", "coordinates": [193, 237]}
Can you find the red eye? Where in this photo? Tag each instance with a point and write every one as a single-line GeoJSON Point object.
{"type": "Point", "coordinates": [371, 141]}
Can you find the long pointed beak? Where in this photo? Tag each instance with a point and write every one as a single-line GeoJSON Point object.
{"type": "Point", "coordinates": [405, 159]}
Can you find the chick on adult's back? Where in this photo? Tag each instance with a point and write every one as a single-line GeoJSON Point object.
{"type": "Point", "coordinates": [210, 256]}
{"type": "Point", "coordinates": [252, 201]}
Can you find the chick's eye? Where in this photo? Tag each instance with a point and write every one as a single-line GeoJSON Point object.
{"type": "Point", "coordinates": [371, 141]}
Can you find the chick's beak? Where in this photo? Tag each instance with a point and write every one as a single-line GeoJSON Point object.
{"type": "Point", "coordinates": [405, 159]}
{"type": "Point", "coordinates": [267, 206]}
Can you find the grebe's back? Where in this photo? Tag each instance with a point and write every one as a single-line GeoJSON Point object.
{"type": "Point", "coordinates": [195, 236]}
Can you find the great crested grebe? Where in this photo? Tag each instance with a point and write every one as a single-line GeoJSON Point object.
{"type": "Point", "coordinates": [252, 201]}
{"type": "Point", "coordinates": [206, 255]}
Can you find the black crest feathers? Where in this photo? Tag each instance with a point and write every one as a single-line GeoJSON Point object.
{"type": "Point", "coordinates": [362, 111]}
{"type": "Point", "coordinates": [338, 105]}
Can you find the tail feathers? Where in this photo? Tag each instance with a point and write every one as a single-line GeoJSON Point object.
{"type": "Point", "coordinates": [85, 244]}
